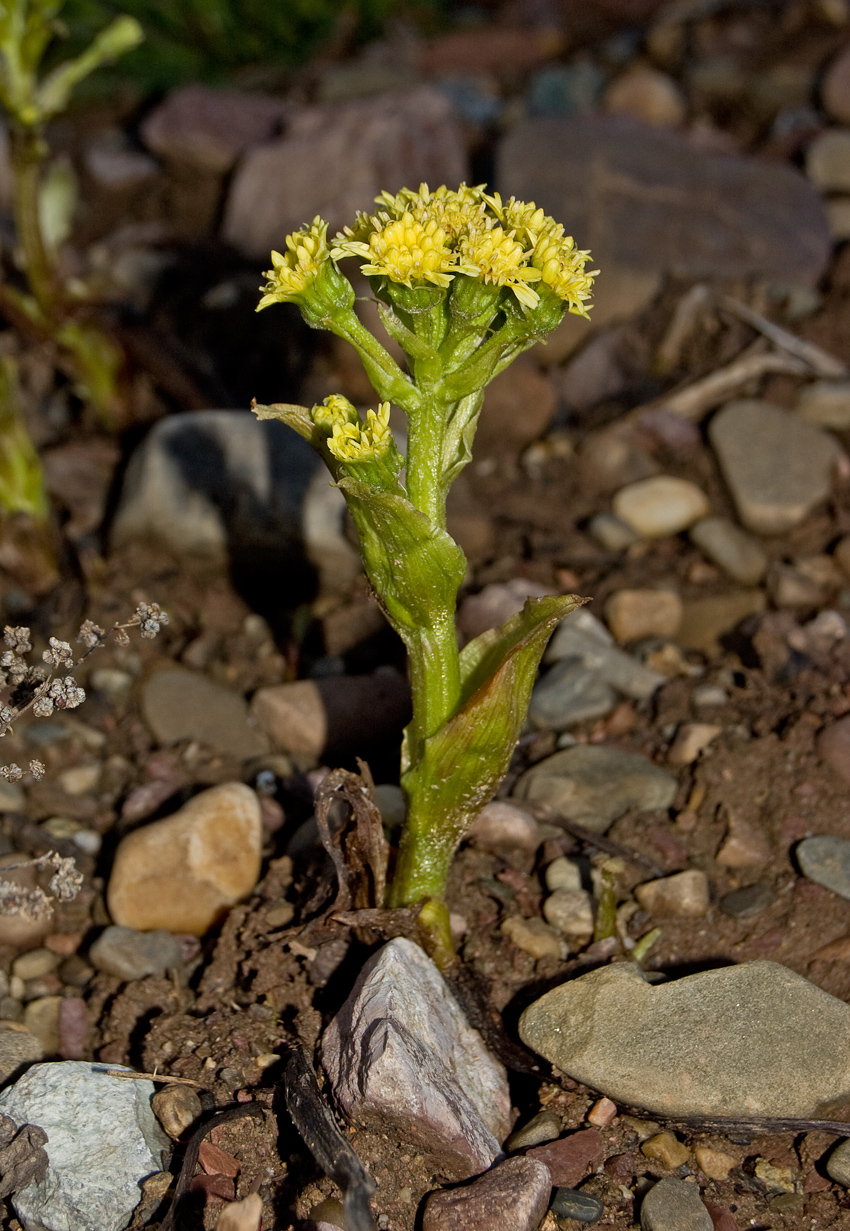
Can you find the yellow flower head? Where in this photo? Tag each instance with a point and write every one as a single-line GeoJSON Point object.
{"type": "Point", "coordinates": [334, 410]}
{"type": "Point", "coordinates": [359, 442]}
{"type": "Point", "coordinates": [561, 267]}
{"type": "Point", "coordinates": [524, 218]}
{"type": "Point", "coordinates": [497, 258]}
{"type": "Point", "coordinates": [456, 213]}
{"type": "Point", "coordinates": [404, 251]}
{"type": "Point", "coordinates": [294, 270]}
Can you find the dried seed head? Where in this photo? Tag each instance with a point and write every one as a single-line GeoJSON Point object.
{"type": "Point", "coordinates": [66, 693]}
{"type": "Point", "coordinates": [151, 617]}
{"type": "Point", "coordinates": [37, 770]}
{"type": "Point", "coordinates": [12, 773]}
{"type": "Point", "coordinates": [59, 654]}
{"type": "Point", "coordinates": [90, 635]}
{"type": "Point", "coordinates": [43, 706]}
{"type": "Point", "coordinates": [18, 638]}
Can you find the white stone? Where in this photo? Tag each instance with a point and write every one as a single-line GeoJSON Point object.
{"type": "Point", "coordinates": [826, 403]}
{"type": "Point", "coordinates": [103, 1140]}
{"type": "Point", "coordinates": [660, 505]}
{"type": "Point", "coordinates": [729, 547]}
{"type": "Point", "coordinates": [570, 911]}
{"type": "Point", "coordinates": [563, 873]}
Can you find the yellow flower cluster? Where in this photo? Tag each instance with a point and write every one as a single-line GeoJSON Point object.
{"type": "Point", "coordinates": [429, 236]}
{"type": "Point", "coordinates": [335, 410]}
{"type": "Point", "coordinates": [361, 442]}
{"type": "Point", "coordinates": [295, 269]}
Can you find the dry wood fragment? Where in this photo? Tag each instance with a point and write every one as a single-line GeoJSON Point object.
{"type": "Point", "coordinates": [820, 361]}
{"type": "Point", "coordinates": [696, 400]}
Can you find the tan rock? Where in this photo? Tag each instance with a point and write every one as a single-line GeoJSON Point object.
{"type": "Point", "coordinates": [602, 1113]}
{"type": "Point", "coordinates": [41, 1018]}
{"type": "Point", "coordinates": [632, 614]}
{"type": "Point", "coordinates": [534, 937]}
{"type": "Point", "coordinates": [500, 824]}
{"type": "Point", "coordinates": [666, 1149]}
{"type": "Point", "coordinates": [660, 505]}
{"type": "Point", "coordinates": [22, 931]}
{"type": "Point", "coordinates": [294, 715]}
{"type": "Point", "coordinates": [691, 739]}
{"type": "Point", "coordinates": [706, 620]}
{"type": "Point", "coordinates": [744, 847]}
{"type": "Point", "coordinates": [714, 1163]}
{"type": "Point", "coordinates": [684, 894]}
{"type": "Point", "coordinates": [181, 873]}
{"type": "Point", "coordinates": [648, 95]}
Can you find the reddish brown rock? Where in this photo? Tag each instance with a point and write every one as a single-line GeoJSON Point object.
{"type": "Point", "coordinates": [519, 1187]}
{"type": "Point", "coordinates": [489, 49]}
{"type": "Point", "coordinates": [209, 128]}
{"type": "Point", "coordinates": [833, 746]}
{"type": "Point", "coordinates": [570, 1158]}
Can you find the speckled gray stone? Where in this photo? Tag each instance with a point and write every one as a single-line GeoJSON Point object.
{"type": "Point", "coordinates": [594, 785]}
{"type": "Point", "coordinates": [674, 1205]}
{"type": "Point", "coordinates": [103, 1140]}
{"type": "Point", "coordinates": [754, 1039]}
{"type": "Point", "coordinates": [567, 694]}
{"type": "Point", "coordinates": [826, 861]}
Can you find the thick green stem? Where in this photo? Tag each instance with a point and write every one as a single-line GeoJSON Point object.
{"type": "Point", "coordinates": [28, 152]}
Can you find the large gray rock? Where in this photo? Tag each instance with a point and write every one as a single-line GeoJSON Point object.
{"type": "Point", "coordinates": [582, 636]}
{"type": "Point", "coordinates": [401, 1055]}
{"type": "Point", "coordinates": [102, 1141]}
{"type": "Point", "coordinates": [517, 1189]}
{"type": "Point", "coordinates": [777, 466]}
{"type": "Point", "coordinates": [129, 954]}
{"type": "Point", "coordinates": [334, 160]}
{"type": "Point", "coordinates": [673, 1205]}
{"type": "Point", "coordinates": [567, 694]}
{"type": "Point", "coordinates": [640, 197]}
{"type": "Point", "coordinates": [744, 1041]}
{"type": "Point", "coordinates": [825, 859]}
{"type": "Point", "coordinates": [213, 483]}
{"type": "Point", "coordinates": [181, 704]}
{"type": "Point", "coordinates": [594, 785]}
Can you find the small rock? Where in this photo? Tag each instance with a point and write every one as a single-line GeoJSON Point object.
{"type": "Point", "coordinates": [838, 1164]}
{"type": "Point", "coordinates": [534, 937]}
{"type": "Point", "coordinates": [835, 88]}
{"type": "Point", "coordinates": [833, 745]}
{"type": "Point", "coordinates": [12, 797]}
{"type": "Point", "coordinates": [80, 779]}
{"type": "Point", "coordinates": [714, 1163]}
{"type": "Point", "coordinates": [666, 1149]}
{"type": "Point", "coordinates": [634, 614]}
{"type": "Point", "coordinates": [776, 1179]}
{"type": "Point", "coordinates": [41, 1018]}
{"type": "Point", "coordinates": [178, 704]}
{"type": "Point", "coordinates": [335, 159]}
{"type": "Point", "coordinates": [828, 161]}
{"type": "Point", "coordinates": [312, 718]}
{"type": "Point", "coordinates": [660, 505]}
{"type": "Point", "coordinates": [706, 620]}
{"type": "Point", "coordinates": [582, 636]}
{"type": "Point", "coordinates": [520, 1185]}
{"type": "Point", "coordinates": [102, 1141]}
{"type": "Point", "coordinates": [280, 916]}
{"type": "Point", "coordinates": [729, 547]}
{"type": "Point", "coordinates": [778, 484]}
{"type": "Point", "coordinates": [18, 1048]}
{"type": "Point", "coordinates": [181, 873]}
{"type": "Point", "coordinates": [568, 694]}
{"type": "Point", "coordinates": [495, 604]}
{"type": "Point", "coordinates": [561, 89]}
{"type": "Point", "coordinates": [692, 738]}
{"type": "Point", "coordinates": [128, 954]}
{"type": "Point", "coordinates": [545, 1126]}
{"type": "Point", "coordinates": [23, 931]}
{"type": "Point", "coordinates": [209, 129]}
{"type": "Point", "coordinates": [35, 964]}
{"type": "Point", "coordinates": [602, 1113]}
{"type": "Point", "coordinates": [826, 861]}
{"type": "Point", "coordinates": [570, 1203]}
{"type": "Point", "coordinates": [611, 532]}
{"type": "Point", "coordinates": [791, 587]}
{"type": "Point", "coordinates": [563, 873]}
{"type": "Point", "coordinates": [501, 825]}
{"type": "Point", "coordinates": [826, 403]}
{"type": "Point", "coordinates": [674, 1205]}
{"type": "Point", "coordinates": [744, 847]}
{"type": "Point", "coordinates": [400, 1053]}
{"type": "Point", "coordinates": [73, 1027]}
{"type": "Point", "coordinates": [747, 902]}
{"type": "Point", "coordinates": [570, 1158]}
{"type": "Point", "coordinates": [684, 894]}
{"type": "Point", "coordinates": [177, 1108]}
{"type": "Point", "coordinates": [648, 95]}
{"type": "Point", "coordinates": [570, 912]}
{"type": "Point", "coordinates": [391, 802]}
{"type": "Point", "coordinates": [838, 216]}
{"type": "Point", "coordinates": [488, 49]}
{"type": "Point", "coordinates": [709, 696]}
{"type": "Point", "coordinates": [594, 785]}
{"type": "Point", "coordinates": [665, 1047]}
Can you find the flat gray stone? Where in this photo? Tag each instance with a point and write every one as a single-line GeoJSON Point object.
{"type": "Point", "coordinates": [401, 1055]}
{"type": "Point", "coordinates": [838, 1164]}
{"type": "Point", "coordinates": [584, 637]}
{"type": "Point", "coordinates": [826, 861]}
{"type": "Point", "coordinates": [729, 547]}
{"type": "Point", "coordinates": [102, 1141]}
{"type": "Point", "coordinates": [637, 196]}
{"type": "Point", "coordinates": [594, 785]}
{"type": "Point", "coordinates": [567, 694]}
{"type": "Point", "coordinates": [335, 159]}
{"type": "Point", "coordinates": [181, 704]}
{"type": "Point", "coordinates": [748, 1040]}
{"type": "Point", "coordinates": [516, 1190]}
{"type": "Point", "coordinates": [778, 467]}
{"type": "Point", "coordinates": [221, 483]}
{"type": "Point", "coordinates": [129, 954]}
{"type": "Point", "coordinates": [674, 1205]}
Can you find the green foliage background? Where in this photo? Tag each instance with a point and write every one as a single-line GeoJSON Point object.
{"type": "Point", "coordinates": [212, 40]}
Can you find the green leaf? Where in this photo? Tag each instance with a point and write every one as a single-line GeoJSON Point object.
{"type": "Point", "coordinates": [120, 36]}
{"type": "Point", "coordinates": [464, 762]}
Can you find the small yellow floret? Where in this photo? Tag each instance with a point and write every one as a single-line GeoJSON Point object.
{"type": "Point", "coordinates": [359, 442]}
{"type": "Point", "coordinates": [404, 251]}
{"type": "Point", "coordinates": [497, 258]}
{"type": "Point", "coordinates": [334, 409]}
{"type": "Point", "coordinates": [561, 266]}
{"type": "Point", "coordinates": [294, 270]}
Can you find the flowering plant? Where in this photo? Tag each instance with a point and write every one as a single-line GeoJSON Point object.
{"type": "Point", "coordinates": [465, 282]}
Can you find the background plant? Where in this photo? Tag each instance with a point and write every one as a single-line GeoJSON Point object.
{"type": "Point", "coordinates": [465, 283]}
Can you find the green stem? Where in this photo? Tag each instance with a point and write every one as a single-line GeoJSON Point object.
{"type": "Point", "coordinates": [28, 152]}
